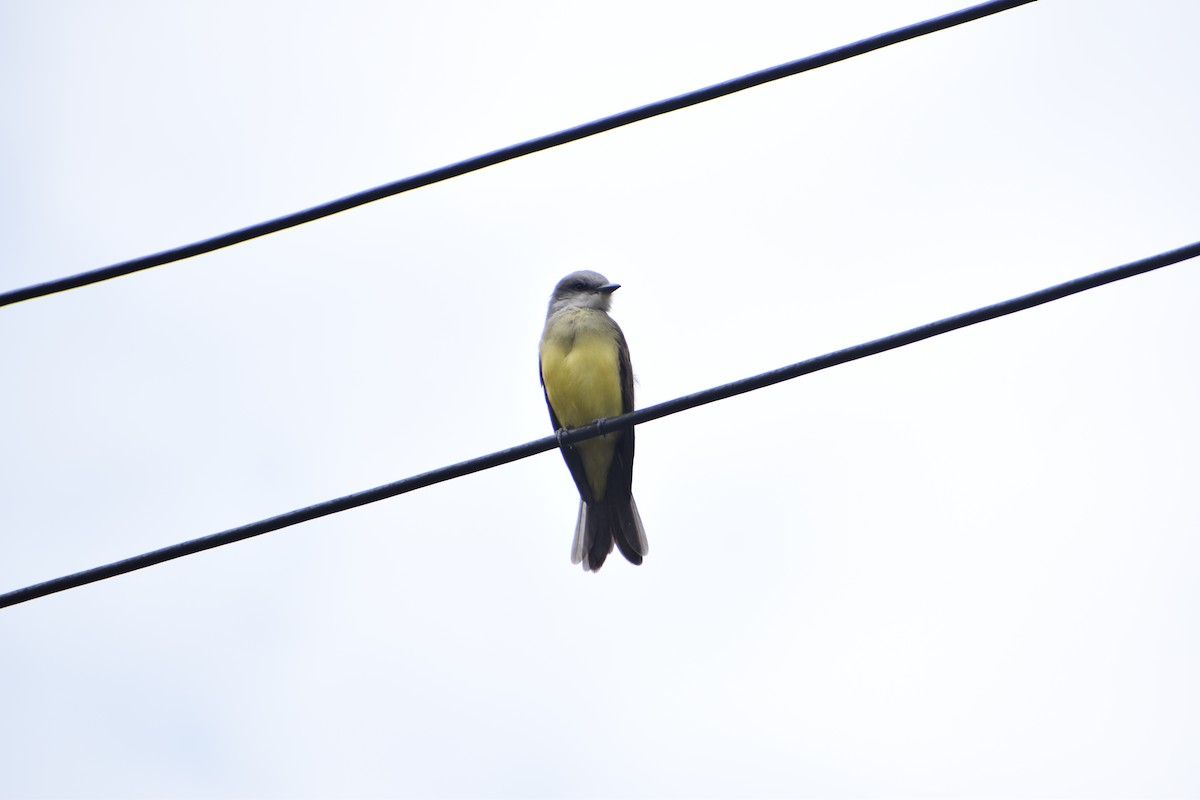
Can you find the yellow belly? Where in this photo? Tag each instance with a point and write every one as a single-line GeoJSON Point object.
{"type": "Point", "coordinates": [582, 375]}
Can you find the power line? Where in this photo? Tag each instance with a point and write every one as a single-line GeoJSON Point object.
{"type": "Point", "coordinates": [514, 151]}
{"type": "Point", "coordinates": [603, 426]}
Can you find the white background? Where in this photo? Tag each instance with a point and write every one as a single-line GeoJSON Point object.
{"type": "Point", "coordinates": [968, 568]}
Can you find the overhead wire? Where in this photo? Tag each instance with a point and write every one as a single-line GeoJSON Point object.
{"type": "Point", "coordinates": [568, 437]}
{"type": "Point", "coordinates": [508, 153]}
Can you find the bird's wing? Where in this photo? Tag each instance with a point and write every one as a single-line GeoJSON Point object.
{"type": "Point", "coordinates": [622, 468]}
{"type": "Point", "coordinates": [570, 454]}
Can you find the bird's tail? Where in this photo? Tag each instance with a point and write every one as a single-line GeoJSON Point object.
{"type": "Point", "coordinates": [602, 524]}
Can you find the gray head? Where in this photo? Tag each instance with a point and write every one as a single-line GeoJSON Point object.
{"type": "Point", "coordinates": [583, 289]}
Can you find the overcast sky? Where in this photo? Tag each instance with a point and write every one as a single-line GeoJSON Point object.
{"type": "Point", "coordinates": [967, 568]}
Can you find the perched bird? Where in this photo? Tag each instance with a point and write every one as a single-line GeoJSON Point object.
{"type": "Point", "coordinates": [586, 375]}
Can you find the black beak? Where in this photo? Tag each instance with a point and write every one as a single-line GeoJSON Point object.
{"type": "Point", "coordinates": [609, 288]}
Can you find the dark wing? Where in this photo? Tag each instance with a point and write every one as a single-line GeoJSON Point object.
{"type": "Point", "coordinates": [620, 475]}
{"type": "Point", "coordinates": [570, 454]}
{"type": "Point", "coordinates": [623, 519]}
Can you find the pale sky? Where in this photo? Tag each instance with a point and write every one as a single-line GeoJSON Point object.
{"type": "Point", "coordinates": [967, 568]}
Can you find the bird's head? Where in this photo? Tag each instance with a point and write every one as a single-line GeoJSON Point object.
{"type": "Point", "coordinates": [583, 289]}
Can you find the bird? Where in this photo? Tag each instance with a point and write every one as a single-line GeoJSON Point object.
{"type": "Point", "coordinates": [587, 375]}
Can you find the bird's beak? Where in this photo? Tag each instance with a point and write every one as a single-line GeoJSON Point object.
{"type": "Point", "coordinates": [609, 288]}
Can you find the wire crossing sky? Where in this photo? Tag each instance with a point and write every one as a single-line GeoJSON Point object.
{"type": "Point", "coordinates": [664, 409]}
{"type": "Point", "coordinates": [514, 151]}
{"type": "Point", "coordinates": [912, 576]}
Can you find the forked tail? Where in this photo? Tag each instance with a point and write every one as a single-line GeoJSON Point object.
{"type": "Point", "coordinates": [601, 525]}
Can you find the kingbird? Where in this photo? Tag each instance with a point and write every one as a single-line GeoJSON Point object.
{"type": "Point", "coordinates": [586, 376]}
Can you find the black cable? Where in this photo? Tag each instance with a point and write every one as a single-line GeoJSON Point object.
{"type": "Point", "coordinates": [603, 426]}
{"type": "Point", "coordinates": [508, 153]}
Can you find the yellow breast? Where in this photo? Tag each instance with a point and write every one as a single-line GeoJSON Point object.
{"type": "Point", "coordinates": [580, 366]}
{"type": "Point", "coordinates": [582, 374]}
